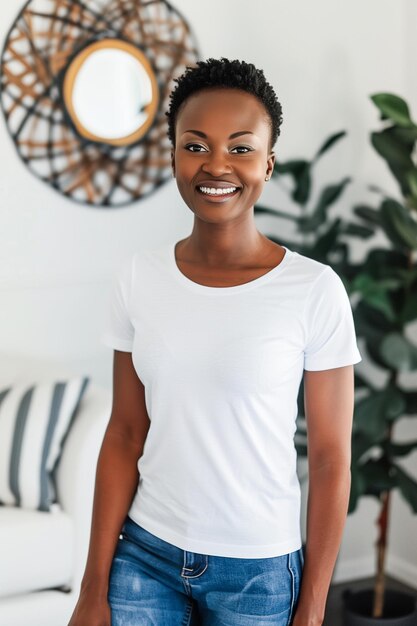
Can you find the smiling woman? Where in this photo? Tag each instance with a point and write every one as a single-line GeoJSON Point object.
{"type": "Point", "coordinates": [235, 156]}
{"type": "Point", "coordinates": [198, 469]}
{"type": "Point", "coordinates": [224, 164]}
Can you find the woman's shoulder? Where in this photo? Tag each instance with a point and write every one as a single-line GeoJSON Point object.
{"type": "Point", "coordinates": [310, 270]}
{"type": "Point", "coordinates": [142, 257]}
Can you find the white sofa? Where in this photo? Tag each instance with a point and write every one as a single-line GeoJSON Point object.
{"type": "Point", "coordinates": [43, 555]}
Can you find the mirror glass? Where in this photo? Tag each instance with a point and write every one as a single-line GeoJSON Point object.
{"type": "Point", "coordinates": [110, 92]}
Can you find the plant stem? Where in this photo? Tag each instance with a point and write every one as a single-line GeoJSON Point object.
{"type": "Point", "coordinates": [382, 522]}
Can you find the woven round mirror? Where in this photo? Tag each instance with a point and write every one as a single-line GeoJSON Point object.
{"type": "Point", "coordinates": [84, 90]}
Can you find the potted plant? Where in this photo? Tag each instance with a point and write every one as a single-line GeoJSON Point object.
{"type": "Point", "coordinates": [385, 285]}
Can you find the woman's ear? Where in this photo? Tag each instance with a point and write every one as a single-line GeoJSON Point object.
{"type": "Point", "coordinates": [270, 164]}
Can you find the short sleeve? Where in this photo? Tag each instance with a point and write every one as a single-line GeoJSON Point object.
{"type": "Point", "coordinates": [330, 330]}
{"type": "Point", "coordinates": [118, 332]}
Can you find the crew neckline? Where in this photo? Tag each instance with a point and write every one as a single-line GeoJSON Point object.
{"type": "Point", "coordinates": [199, 288]}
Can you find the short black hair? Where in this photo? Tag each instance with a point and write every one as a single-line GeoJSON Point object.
{"type": "Point", "coordinates": [225, 73]}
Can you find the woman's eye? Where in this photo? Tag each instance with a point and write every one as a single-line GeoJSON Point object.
{"type": "Point", "coordinates": [193, 145]}
{"type": "Point", "coordinates": [242, 148]}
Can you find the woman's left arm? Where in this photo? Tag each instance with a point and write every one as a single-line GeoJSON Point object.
{"type": "Point", "coordinates": [329, 403]}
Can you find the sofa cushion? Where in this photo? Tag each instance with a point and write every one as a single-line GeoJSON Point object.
{"type": "Point", "coordinates": [34, 422]}
{"type": "Point", "coordinates": [36, 550]}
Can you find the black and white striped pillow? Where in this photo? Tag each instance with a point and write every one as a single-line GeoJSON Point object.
{"type": "Point", "coordinates": [34, 422]}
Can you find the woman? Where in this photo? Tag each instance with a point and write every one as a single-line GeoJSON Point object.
{"type": "Point", "coordinates": [212, 335]}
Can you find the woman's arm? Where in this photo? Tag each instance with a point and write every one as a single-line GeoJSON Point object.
{"type": "Point", "coordinates": [329, 403]}
{"type": "Point", "coordinates": [116, 483]}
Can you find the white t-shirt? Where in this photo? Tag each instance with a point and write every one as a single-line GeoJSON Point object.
{"type": "Point", "coordinates": [221, 367]}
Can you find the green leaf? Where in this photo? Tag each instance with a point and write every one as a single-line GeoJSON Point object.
{"type": "Point", "coordinates": [411, 402]}
{"type": "Point", "coordinates": [405, 135]}
{"type": "Point", "coordinates": [411, 201]}
{"type": "Point", "coordinates": [293, 167]}
{"type": "Point", "coordinates": [302, 188]}
{"type": "Point", "coordinates": [373, 326]}
{"type": "Point", "coordinates": [393, 107]}
{"type": "Point", "coordinates": [407, 276]}
{"type": "Point", "coordinates": [302, 449]}
{"type": "Point", "coordinates": [375, 189]}
{"type": "Point", "coordinates": [374, 352]}
{"type": "Point", "coordinates": [331, 193]}
{"type": "Point", "coordinates": [409, 309]}
{"type": "Point", "coordinates": [400, 449]}
{"type": "Point", "coordinates": [326, 241]}
{"type": "Point", "coordinates": [378, 476]}
{"type": "Point", "coordinates": [368, 284]}
{"type": "Point", "coordinates": [357, 230]}
{"type": "Point", "coordinates": [398, 224]}
{"type": "Point", "coordinates": [412, 181]}
{"type": "Point", "coordinates": [375, 293]}
{"type": "Point", "coordinates": [369, 416]}
{"type": "Point", "coordinates": [357, 487]}
{"type": "Point", "coordinates": [367, 213]}
{"type": "Point", "coordinates": [328, 196]}
{"type": "Point", "coordinates": [373, 413]}
{"type": "Point", "coordinates": [382, 263]}
{"type": "Point", "coordinates": [329, 143]}
{"type": "Point", "coordinates": [397, 152]}
{"type": "Point", "coordinates": [361, 382]}
{"type": "Point", "coordinates": [299, 170]}
{"type": "Point", "coordinates": [398, 352]}
{"type": "Point", "coordinates": [391, 149]}
{"type": "Point", "coordinates": [400, 174]}
{"type": "Point", "coordinates": [408, 487]}
{"type": "Point", "coordinates": [361, 443]}
{"type": "Point", "coordinates": [395, 404]}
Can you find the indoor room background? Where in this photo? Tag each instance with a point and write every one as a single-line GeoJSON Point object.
{"type": "Point", "coordinates": [58, 257]}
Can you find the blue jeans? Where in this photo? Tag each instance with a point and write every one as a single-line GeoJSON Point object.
{"type": "Point", "coordinates": [154, 583]}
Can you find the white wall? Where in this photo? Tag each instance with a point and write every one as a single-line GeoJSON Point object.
{"type": "Point", "coordinates": [324, 59]}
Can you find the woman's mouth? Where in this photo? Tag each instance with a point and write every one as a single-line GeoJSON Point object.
{"type": "Point", "coordinates": [218, 194]}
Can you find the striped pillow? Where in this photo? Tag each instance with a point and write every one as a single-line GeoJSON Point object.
{"type": "Point", "coordinates": [34, 422]}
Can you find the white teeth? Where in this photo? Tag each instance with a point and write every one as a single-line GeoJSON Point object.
{"type": "Point", "coordinates": [217, 192]}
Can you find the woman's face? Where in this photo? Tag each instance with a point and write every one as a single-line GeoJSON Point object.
{"type": "Point", "coordinates": [222, 142]}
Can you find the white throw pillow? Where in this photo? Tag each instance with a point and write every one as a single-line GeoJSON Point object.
{"type": "Point", "coordinates": [34, 422]}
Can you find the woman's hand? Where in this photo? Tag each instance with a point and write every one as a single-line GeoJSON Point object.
{"type": "Point", "coordinates": [305, 618]}
{"type": "Point", "coordinates": [91, 610]}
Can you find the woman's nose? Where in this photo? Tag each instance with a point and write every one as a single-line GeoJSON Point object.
{"type": "Point", "coordinates": [216, 163]}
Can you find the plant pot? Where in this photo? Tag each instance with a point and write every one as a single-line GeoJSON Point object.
{"type": "Point", "coordinates": [399, 608]}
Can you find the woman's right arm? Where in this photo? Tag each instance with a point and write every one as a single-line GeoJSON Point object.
{"type": "Point", "coordinates": [116, 483]}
